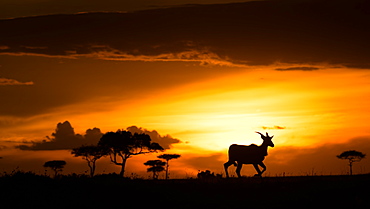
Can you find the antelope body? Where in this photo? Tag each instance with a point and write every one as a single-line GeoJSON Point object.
{"type": "Point", "coordinates": [249, 154]}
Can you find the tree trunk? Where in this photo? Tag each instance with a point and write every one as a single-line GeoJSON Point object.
{"type": "Point", "coordinates": [92, 172]}
{"type": "Point", "coordinates": [123, 164]}
{"type": "Point", "coordinates": [91, 168]}
{"type": "Point", "coordinates": [350, 168]}
{"type": "Point", "coordinates": [167, 170]}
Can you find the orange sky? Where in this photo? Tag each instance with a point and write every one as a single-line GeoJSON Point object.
{"type": "Point", "coordinates": [208, 98]}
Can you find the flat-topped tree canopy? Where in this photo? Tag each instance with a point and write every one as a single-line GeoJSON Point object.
{"type": "Point", "coordinates": [124, 144]}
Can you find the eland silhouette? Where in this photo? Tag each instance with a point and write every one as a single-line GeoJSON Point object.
{"type": "Point", "coordinates": [249, 154]}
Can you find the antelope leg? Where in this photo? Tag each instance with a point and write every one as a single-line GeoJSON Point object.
{"type": "Point", "coordinates": [238, 169]}
{"type": "Point", "coordinates": [257, 169]}
{"type": "Point", "coordinates": [263, 166]}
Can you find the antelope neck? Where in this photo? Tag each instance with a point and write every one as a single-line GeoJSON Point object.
{"type": "Point", "coordinates": [264, 146]}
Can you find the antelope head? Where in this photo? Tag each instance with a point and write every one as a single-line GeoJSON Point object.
{"type": "Point", "coordinates": [266, 139]}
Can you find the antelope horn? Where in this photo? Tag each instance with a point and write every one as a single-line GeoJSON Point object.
{"type": "Point", "coordinates": [259, 133]}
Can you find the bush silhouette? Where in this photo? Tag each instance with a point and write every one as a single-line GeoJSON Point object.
{"type": "Point", "coordinates": [156, 166]}
{"type": "Point", "coordinates": [55, 165]}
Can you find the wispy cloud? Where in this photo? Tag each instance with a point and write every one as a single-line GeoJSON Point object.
{"type": "Point", "coordinates": [12, 82]}
{"type": "Point", "coordinates": [298, 68]}
{"type": "Point", "coordinates": [273, 127]}
{"type": "Point", "coordinates": [204, 57]}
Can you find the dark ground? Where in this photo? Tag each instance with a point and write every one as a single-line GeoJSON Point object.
{"type": "Point", "coordinates": [27, 190]}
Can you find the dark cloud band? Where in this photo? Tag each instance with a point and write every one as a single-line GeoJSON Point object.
{"type": "Point", "coordinates": [253, 33]}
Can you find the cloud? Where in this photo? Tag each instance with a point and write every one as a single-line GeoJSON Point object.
{"type": "Point", "coordinates": [37, 7]}
{"type": "Point", "coordinates": [249, 33]}
{"type": "Point", "coordinates": [298, 68]}
{"type": "Point", "coordinates": [274, 127]}
{"type": "Point", "coordinates": [64, 138]}
{"type": "Point", "coordinates": [211, 162]}
{"type": "Point", "coordinates": [204, 57]}
{"type": "Point", "coordinates": [12, 82]}
{"type": "Point", "coordinates": [165, 141]}
{"type": "Point", "coordinates": [320, 159]}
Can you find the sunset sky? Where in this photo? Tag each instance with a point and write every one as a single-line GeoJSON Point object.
{"type": "Point", "coordinates": [197, 76]}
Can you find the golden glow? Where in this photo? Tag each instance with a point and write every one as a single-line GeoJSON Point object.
{"type": "Point", "coordinates": [215, 113]}
{"type": "Point", "coordinates": [212, 114]}
{"type": "Point", "coordinates": [304, 109]}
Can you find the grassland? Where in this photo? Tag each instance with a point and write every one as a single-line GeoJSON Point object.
{"type": "Point", "coordinates": [27, 190]}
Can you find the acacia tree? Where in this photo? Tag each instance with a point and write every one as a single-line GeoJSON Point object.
{"type": "Point", "coordinates": [352, 156]}
{"type": "Point", "coordinates": [156, 166]}
{"type": "Point", "coordinates": [55, 165]}
{"type": "Point", "coordinates": [91, 154]}
{"type": "Point", "coordinates": [168, 157]}
{"type": "Point", "coordinates": [123, 145]}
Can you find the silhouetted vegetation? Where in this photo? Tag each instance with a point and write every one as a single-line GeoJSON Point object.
{"type": "Point", "coordinates": [55, 165]}
{"type": "Point", "coordinates": [156, 166]}
{"type": "Point", "coordinates": [168, 157]}
{"type": "Point", "coordinates": [28, 190]}
{"type": "Point", "coordinates": [91, 154]}
{"type": "Point", "coordinates": [208, 175]}
{"type": "Point", "coordinates": [123, 144]}
{"type": "Point", "coordinates": [352, 156]}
